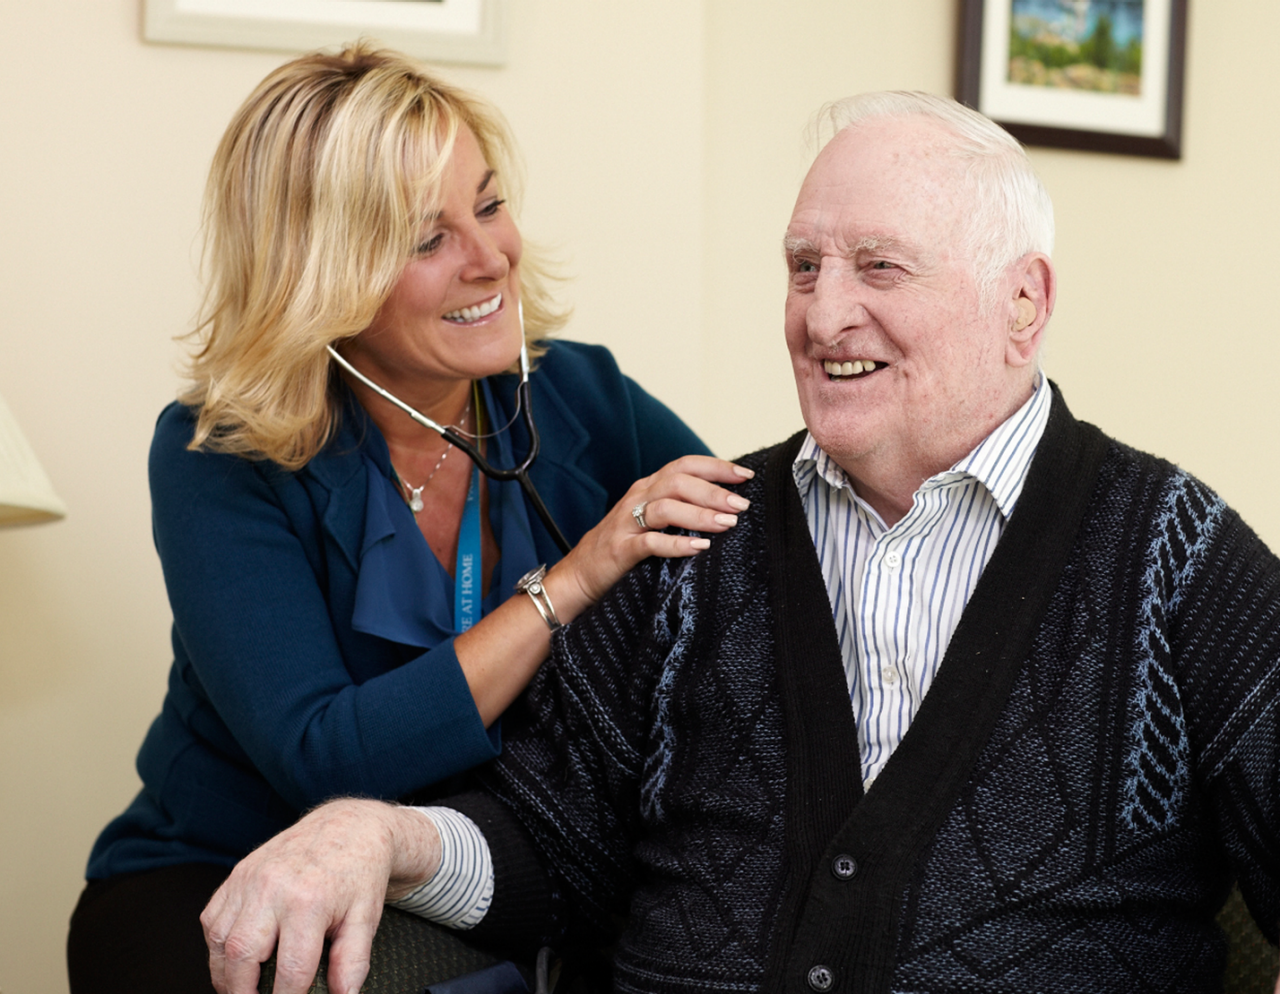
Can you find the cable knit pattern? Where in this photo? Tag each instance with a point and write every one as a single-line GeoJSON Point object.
{"type": "Point", "coordinates": [1158, 767]}
{"type": "Point", "coordinates": [635, 754]}
{"type": "Point", "coordinates": [1097, 757]}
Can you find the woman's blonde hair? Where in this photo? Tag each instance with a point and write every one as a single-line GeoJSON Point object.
{"type": "Point", "coordinates": [312, 209]}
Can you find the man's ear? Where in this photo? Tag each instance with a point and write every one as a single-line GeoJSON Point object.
{"type": "Point", "coordinates": [1030, 305]}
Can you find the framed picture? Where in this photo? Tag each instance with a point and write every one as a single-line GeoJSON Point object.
{"type": "Point", "coordinates": [1100, 75]}
{"type": "Point", "coordinates": [438, 30]}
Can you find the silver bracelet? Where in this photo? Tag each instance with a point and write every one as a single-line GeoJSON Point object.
{"type": "Point", "coordinates": [531, 584]}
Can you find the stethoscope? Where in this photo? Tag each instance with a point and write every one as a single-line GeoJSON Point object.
{"type": "Point", "coordinates": [524, 408]}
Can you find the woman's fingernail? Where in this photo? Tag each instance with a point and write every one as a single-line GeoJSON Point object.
{"type": "Point", "coordinates": [728, 520]}
{"type": "Point", "coordinates": [743, 472]}
{"type": "Point", "coordinates": [738, 503]}
{"type": "Point", "coordinates": [700, 543]}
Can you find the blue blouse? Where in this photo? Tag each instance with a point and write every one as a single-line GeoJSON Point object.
{"type": "Point", "coordinates": [404, 593]}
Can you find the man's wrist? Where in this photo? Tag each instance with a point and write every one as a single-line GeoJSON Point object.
{"type": "Point", "coordinates": [459, 893]}
{"type": "Point", "coordinates": [415, 850]}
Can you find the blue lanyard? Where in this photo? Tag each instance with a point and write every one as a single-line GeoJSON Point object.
{"type": "Point", "coordinates": [466, 583]}
{"type": "Point", "coordinates": [466, 571]}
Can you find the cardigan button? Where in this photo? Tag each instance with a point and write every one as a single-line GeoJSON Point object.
{"type": "Point", "coordinates": [844, 866]}
{"type": "Point", "coordinates": [821, 978]}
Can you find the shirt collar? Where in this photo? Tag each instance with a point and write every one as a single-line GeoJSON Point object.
{"type": "Point", "coordinates": [999, 462]}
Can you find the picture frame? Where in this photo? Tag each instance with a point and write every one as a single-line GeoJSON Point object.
{"type": "Point", "coordinates": [465, 31]}
{"type": "Point", "coordinates": [1052, 73]}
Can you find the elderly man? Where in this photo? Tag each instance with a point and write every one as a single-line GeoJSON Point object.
{"type": "Point", "coordinates": [974, 698]}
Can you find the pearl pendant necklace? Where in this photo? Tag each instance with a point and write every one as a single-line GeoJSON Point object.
{"type": "Point", "coordinates": [414, 494]}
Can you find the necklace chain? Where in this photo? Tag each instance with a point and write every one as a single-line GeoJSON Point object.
{"type": "Point", "coordinates": [413, 495]}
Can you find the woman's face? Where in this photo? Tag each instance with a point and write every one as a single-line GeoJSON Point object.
{"type": "Point", "coordinates": [453, 313]}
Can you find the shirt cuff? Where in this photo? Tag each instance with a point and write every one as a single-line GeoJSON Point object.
{"type": "Point", "coordinates": [459, 894]}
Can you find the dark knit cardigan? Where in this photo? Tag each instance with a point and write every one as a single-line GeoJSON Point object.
{"type": "Point", "coordinates": [1096, 759]}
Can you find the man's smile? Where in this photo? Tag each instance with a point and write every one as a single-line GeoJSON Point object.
{"type": "Point", "coordinates": [851, 370]}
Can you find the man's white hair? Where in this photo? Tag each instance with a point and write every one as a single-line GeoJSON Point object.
{"type": "Point", "coordinates": [1012, 214]}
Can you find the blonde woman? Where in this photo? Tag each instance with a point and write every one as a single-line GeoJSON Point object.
{"type": "Point", "coordinates": [354, 603]}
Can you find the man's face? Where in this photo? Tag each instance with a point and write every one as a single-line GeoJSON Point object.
{"type": "Point", "coordinates": [879, 280]}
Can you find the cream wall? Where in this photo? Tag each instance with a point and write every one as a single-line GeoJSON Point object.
{"type": "Point", "coordinates": [663, 149]}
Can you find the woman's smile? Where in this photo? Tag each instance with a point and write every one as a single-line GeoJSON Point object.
{"type": "Point", "coordinates": [468, 315]}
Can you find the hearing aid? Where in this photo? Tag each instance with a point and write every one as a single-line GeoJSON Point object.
{"type": "Point", "coordinates": [1026, 313]}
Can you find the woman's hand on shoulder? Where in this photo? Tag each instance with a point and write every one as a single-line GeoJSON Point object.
{"type": "Point", "coordinates": [685, 494]}
{"type": "Point", "coordinates": [327, 876]}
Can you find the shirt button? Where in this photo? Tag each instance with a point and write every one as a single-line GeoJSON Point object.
{"type": "Point", "coordinates": [821, 978]}
{"type": "Point", "coordinates": [844, 866]}
{"type": "Point", "coordinates": [892, 560]}
{"type": "Point", "coordinates": [889, 674]}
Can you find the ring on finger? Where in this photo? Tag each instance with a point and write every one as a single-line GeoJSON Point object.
{"type": "Point", "coordinates": [637, 512]}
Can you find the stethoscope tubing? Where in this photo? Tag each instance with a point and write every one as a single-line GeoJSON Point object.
{"type": "Point", "coordinates": [519, 473]}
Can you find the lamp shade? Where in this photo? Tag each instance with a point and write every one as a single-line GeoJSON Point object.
{"type": "Point", "coordinates": [26, 495]}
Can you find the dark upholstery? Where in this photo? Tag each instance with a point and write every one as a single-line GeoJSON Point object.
{"type": "Point", "coordinates": [1252, 961]}
{"type": "Point", "coordinates": [408, 954]}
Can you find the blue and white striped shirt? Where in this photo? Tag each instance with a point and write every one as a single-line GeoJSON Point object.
{"type": "Point", "coordinates": [897, 593]}
{"type": "Point", "coordinates": [461, 891]}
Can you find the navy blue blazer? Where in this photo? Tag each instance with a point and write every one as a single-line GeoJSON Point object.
{"type": "Point", "coordinates": [291, 683]}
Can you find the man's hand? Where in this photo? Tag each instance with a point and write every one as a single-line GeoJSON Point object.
{"type": "Point", "coordinates": [327, 876]}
